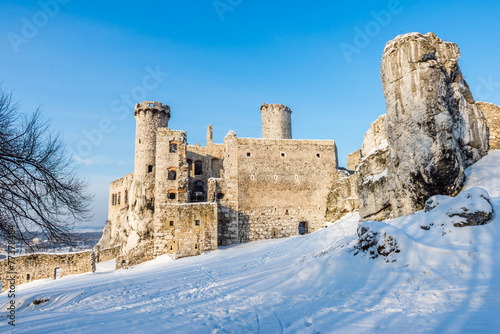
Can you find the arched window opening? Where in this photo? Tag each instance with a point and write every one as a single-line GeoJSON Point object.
{"type": "Point", "coordinates": [119, 197]}
{"type": "Point", "coordinates": [171, 195]}
{"type": "Point", "coordinates": [150, 168]}
{"type": "Point", "coordinates": [220, 196]}
{"type": "Point", "coordinates": [198, 168]}
{"type": "Point", "coordinates": [173, 147]}
{"type": "Point", "coordinates": [126, 197]}
{"type": "Point", "coordinates": [172, 174]}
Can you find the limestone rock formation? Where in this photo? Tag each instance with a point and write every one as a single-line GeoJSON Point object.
{"type": "Point", "coordinates": [492, 114]}
{"type": "Point", "coordinates": [470, 208]}
{"type": "Point", "coordinates": [132, 224]}
{"type": "Point", "coordinates": [372, 183]}
{"type": "Point", "coordinates": [342, 198]}
{"type": "Point", "coordinates": [374, 136]}
{"type": "Point", "coordinates": [433, 126]}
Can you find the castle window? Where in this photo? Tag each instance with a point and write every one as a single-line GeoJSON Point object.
{"type": "Point", "coordinates": [198, 168]}
{"type": "Point", "coordinates": [286, 212]}
{"type": "Point", "coordinates": [171, 223]}
{"type": "Point", "coordinates": [173, 147]}
{"type": "Point", "coordinates": [151, 104]}
{"type": "Point", "coordinates": [171, 248]}
{"type": "Point", "coordinates": [150, 168]}
{"type": "Point", "coordinates": [195, 246]}
{"type": "Point", "coordinates": [27, 277]}
{"type": "Point", "coordinates": [57, 273]}
{"type": "Point", "coordinates": [317, 155]}
{"type": "Point", "coordinates": [197, 222]}
{"type": "Point", "coordinates": [282, 154]}
{"type": "Point", "coordinates": [220, 196]}
{"type": "Point", "coordinates": [139, 140]}
{"type": "Point", "coordinates": [252, 177]}
{"type": "Point", "coordinates": [112, 199]}
{"type": "Point", "coordinates": [126, 197]}
{"type": "Point", "coordinates": [249, 154]}
{"type": "Point", "coordinates": [171, 195]}
{"type": "Point", "coordinates": [172, 174]}
{"type": "Point", "coordinates": [119, 196]}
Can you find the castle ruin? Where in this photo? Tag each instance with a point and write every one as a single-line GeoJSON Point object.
{"type": "Point", "coordinates": [184, 199]}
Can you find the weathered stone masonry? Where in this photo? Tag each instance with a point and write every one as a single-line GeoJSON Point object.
{"type": "Point", "coordinates": [38, 266]}
{"type": "Point", "coordinates": [184, 199]}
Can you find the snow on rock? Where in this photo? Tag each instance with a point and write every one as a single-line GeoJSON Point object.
{"type": "Point", "coordinates": [377, 239]}
{"type": "Point", "coordinates": [433, 126]}
{"type": "Point", "coordinates": [470, 208]}
{"type": "Point", "coordinates": [439, 283]}
{"type": "Point", "coordinates": [372, 187]}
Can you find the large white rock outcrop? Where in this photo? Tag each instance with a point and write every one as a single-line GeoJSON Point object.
{"type": "Point", "coordinates": [433, 126]}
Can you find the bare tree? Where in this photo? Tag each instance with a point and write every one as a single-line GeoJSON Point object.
{"type": "Point", "coordinates": [39, 192]}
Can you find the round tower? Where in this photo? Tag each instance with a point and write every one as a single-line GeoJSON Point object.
{"type": "Point", "coordinates": [276, 121]}
{"type": "Point", "coordinates": [149, 116]}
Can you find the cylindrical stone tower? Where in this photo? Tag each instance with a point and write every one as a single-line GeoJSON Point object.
{"type": "Point", "coordinates": [149, 116]}
{"type": "Point", "coordinates": [276, 121]}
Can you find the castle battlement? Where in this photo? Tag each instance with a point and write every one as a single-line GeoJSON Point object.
{"type": "Point", "coordinates": [153, 107]}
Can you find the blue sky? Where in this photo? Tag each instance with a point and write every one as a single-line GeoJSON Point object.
{"type": "Point", "coordinates": [216, 62]}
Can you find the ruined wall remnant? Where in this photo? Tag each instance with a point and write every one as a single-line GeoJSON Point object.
{"type": "Point", "coordinates": [32, 267]}
{"type": "Point", "coordinates": [433, 126]}
{"type": "Point", "coordinates": [107, 253]}
{"type": "Point", "coordinates": [492, 114]}
{"type": "Point", "coordinates": [276, 121]}
{"type": "Point", "coordinates": [354, 159]}
{"type": "Point", "coordinates": [141, 253]}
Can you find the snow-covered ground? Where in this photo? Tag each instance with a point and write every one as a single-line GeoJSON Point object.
{"type": "Point", "coordinates": [444, 279]}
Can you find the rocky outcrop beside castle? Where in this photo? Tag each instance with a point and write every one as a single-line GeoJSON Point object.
{"type": "Point", "coordinates": [130, 213]}
{"type": "Point", "coordinates": [374, 137]}
{"type": "Point", "coordinates": [432, 132]}
{"type": "Point", "coordinates": [492, 114]}
{"type": "Point", "coordinates": [434, 129]}
{"type": "Point", "coordinates": [342, 198]}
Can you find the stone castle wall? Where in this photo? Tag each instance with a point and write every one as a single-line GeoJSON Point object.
{"type": "Point", "coordinates": [141, 253]}
{"type": "Point", "coordinates": [492, 114]}
{"type": "Point", "coordinates": [32, 267]}
{"type": "Point", "coordinates": [354, 159]}
{"type": "Point", "coordinates": [171, 157]}
{"type": "Point", "coordinates": [186, 230]}
{"type": "Point", "coordinates": [281, 183]}
{"type": "Point", "coordinates": [108, 254]}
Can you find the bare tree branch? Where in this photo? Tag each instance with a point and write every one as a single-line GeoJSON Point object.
{"type": "Point", "coordinates": [39, 192]}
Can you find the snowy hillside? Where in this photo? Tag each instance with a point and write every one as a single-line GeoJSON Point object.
{"type": "Point", "coordinates": [435, 278]}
